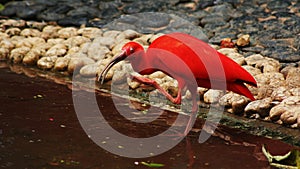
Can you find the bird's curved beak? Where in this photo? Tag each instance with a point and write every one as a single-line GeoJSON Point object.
{"type": "Point", "coordinates": [115, 60]}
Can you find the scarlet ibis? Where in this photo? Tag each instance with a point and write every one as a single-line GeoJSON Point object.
{"type": "Point", "coordinates": [205, 63]}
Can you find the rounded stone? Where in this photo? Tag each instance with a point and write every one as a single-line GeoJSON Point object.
{"type": "Point", "coordinates": [46, 62]}
{"type": "Point", "coordinates": [293, 78]}
{"type": "Point", "coordinates": [128, 34]}
{"type": "Point", "coordinates": [111, 34]}
{"type": "Point", "coordinates": [13, 31]}
{"type": "Point", "coordinates": [132, 84]}
{"type": "Point", "coordinates": [74, 50]}
{"type": "Point", "coordinates": [50, 31]}
{"type": "Point", "coordinates": [76, 41]}
{"type": "Point", "coordinates": [33, 56]}
{"type": "Point", "coordinates": [57, 50]}
{"type": "Point", "coordinates": [97, 52]}
{"type": "Point", "coordinates": [253, 59]}
{"type": "Point", "coordinates": [280, 94]}
{"type": "Point", "coordinates": [3, 53]}
{"type": "Point", "coordinates": [105, 41]}
{"type": "Point", "coordinates": [243, 40]}
{"type": "Point", "coordinates": [289, 117]}
{"type": "Point", "coordinates": [268, 65]}
{"type": "Point", "coordinates": [90, 32]}
{"type": "Point", "coordinates": [61, 64]}
{"type": "Point", "coordinates": [7, 44]}
{"type": "Point", "coordinates": [67, 32]}
{"type": "Point", "coordinates": [276, 112]}
{"type": "Point", "coordinates": [238, 106]}
{"type": "Point", "coordinates": [23, 43]}
{"type": "Point", "coordinates": [227, 51]}
{"type": "Point", "coordinates": [36, 41]}
{"type": "Point", "coordinates": [89, 70]}
{"type": "Point", "coordinates": [17, 54]}
{"type": "Point", "coordinates": [295, 91]}
{"type": "Point", "coordinates": [118, 47]}
{"type": "Point", "coordinates": [261, 107]}
{"type": "Point", "coordinates": [27, 32]}
{"type": "Point", "coordinates": [55, 41]}
{"type": "Point", "coordinates": [252, 70]}
{"type": "Point", "coordinates": [213, 96]}
{"type": "Point", "coordinates": [76, 63]}
{"type": "Point", "coordinates": [143, 40]}
{"type": "Point", "coordinates": [157, 74]}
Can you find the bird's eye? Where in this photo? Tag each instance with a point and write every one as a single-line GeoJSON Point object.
{"type": "Point", "coordinates": [131, 50]}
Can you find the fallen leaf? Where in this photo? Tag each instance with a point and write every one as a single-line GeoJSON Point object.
{"type": "Point", "coordinates": [152, 165]}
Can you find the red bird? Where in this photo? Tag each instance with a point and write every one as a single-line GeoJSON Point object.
{"type": "Point", "coordinates": [190, 61]}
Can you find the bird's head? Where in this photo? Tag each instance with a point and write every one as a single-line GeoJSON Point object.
{"type": "Point", "coordinates": [128, 51]}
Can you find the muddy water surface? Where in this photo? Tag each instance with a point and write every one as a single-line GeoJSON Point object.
{"type": "Point", "coordinates": [39, 129]}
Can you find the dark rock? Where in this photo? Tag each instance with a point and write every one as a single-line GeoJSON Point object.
{"type": "Point", "coordinates": [127, 1]}
{"type": "Point", "coordinates": [222, 27]}
{"type": "Point", "coordinates": [129, 19]}
{"type": "Point", "coordinates": [200, 14]}
{"type": "Point", "coordinates": [212, 18]}
{"type": "Point", "coordinates": [96, 23]}
{"type": "Point", "coordinates": [282, 53]}
{"type": "Point", "coordinates": [30, 11]}
{"type": "Point", "coordinates": [73, 21]}
{"type": "Point", "coordinates": [253, 49]}
{"type": "Point", "coordinates": [5, 1]}
{"type": "Point", "coordinates": [12, 7]}
{"type": "Point", "coordinates": [204, 4]}
{"type": "Point", "coordinates": [85, 11]}
{"type": "Point", "coordinates": [234, 3]}
{"type": "Point", "coordinates": [45, 2]}
{"type": "Point", "coordinates": [275, 43]}
{"type": "Point", "coordinates": [152, 21]}
{"type": "Point", "coordinates": [55, 13]}
{"type": "Point", "coordinates": [242, 20]}
{"type": "Point", "coordinates": [297, 42]}
{"type": "Point", "coordinates": [251, 29]}
{"type": "Point", "coordinates": [277, 4]}
{"type": "Point", "coordinates": [144, 6]}
{"type": "Point", "coordinates": [225, 9]}
{"type": "Point", "coordinates": [188, 17]}
{"type": "Point", "coordinates": [147, 22]}
{"type": "Point", "coordinates": [260, 13]}
{"type": "Point", "coordinates": [217, 39]}
{"type": "Point", "coordinates": [292, 24]}
{"type": "Point", "coordinates": [109, 10]}
{"type": "Point", "coordinates": [283, 13]}
{"type": "Point", "coordinates": [248, 9]}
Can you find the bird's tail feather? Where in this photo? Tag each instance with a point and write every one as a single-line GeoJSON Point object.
{"type": "Point", "coordinates": [240, 88]}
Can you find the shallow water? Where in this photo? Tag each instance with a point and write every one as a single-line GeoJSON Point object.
{"type": "Point", "coordinates": [39, 129]}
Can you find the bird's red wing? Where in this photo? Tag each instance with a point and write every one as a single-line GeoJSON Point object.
{"type": "Point", "coordinates": [189, 50]}
{"type": "Point", "coordinates": [206, 64]}
{"type": "Point", "coordinates": [234, 72]}
{"type": "Point", "coordinates": [240, 88]}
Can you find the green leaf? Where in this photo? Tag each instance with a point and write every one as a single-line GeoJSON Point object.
{"type": "Point", "coordinates": [283, 157]}
{"type": "Point", "coordinates": [152, 165]}
{"type": "Point", "coordinates": [267, 154]}
{"type": "Point", "coordinates": [1, 7]}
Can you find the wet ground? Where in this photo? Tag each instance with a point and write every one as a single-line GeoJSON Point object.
{"type": "Point", "coordinates": [40, 129]}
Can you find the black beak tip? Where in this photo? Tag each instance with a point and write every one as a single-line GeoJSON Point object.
{"type": "Point", "coordinates": [99, 79]}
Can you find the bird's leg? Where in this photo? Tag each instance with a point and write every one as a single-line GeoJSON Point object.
{"type": "Point", "coordinates": [193, 115]}
{"type": "Point", "coordinates": [153, 83]}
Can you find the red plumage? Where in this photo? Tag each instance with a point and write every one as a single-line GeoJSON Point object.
{"type": "Point", "coordinates": [189, 61]}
